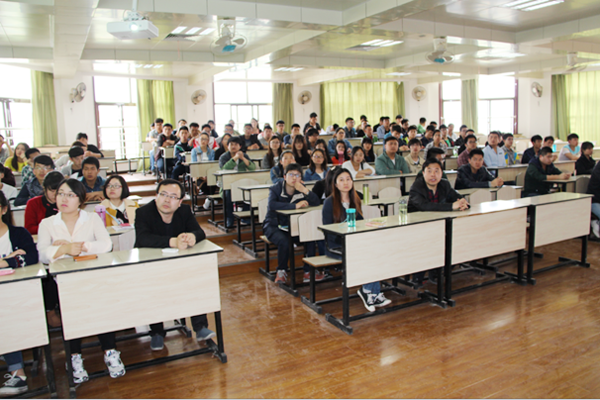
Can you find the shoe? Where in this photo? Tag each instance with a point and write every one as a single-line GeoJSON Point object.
{"type": "Point", "coordinates": [381, 300]}
{"type": "Point", "coordinates": [432, 279]}
{"type": "Point", "coordinates": [53, 319]}
{"type": "Point", "coordinates": [318, 277]}
{"type": "Point", "coordinates": [281, 276]}
{"type": "Point", "coordinates": [113, 362]}
{"type": "Point", "coordinates": [157, 342]}
{"type": "Point", "coordinates": [367, 299]}
{"type": "Point", "coordinates": [596, 228]}
{"type": "Point", "coordinates": [205, 334]}
{"type": "Point", "coordinates": [14, 385]}
{"type": "Point", "coordinates": [207, 204]}
{"type": "Point", "coordinates": [80, 375]}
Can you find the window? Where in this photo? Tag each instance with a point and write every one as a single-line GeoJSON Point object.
{"type": "Point", "coordinates": [496, 105]}
{"type": "Point", "coordinates": [451, 104]}
{"type": "Point", "coordinates": [117, 115]}
{"type": "Point", "coordinates": [242, 101]}
{"type": "Point", "coordinates": [16, 115]}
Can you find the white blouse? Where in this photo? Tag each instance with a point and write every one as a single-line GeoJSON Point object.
{"type": "Point", "coordinates": [89, 229]}
{"type": "Point", "coordinates": [353, 172]}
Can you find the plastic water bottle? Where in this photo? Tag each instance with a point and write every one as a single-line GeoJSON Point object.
{"type": "Point", "coordinates": [366, 193]}
{"type": "Point", "coordinates": [403, 210]}
{"type": "Point", "coordinates": [351, 217]}
{"type": "Point", "coordinates": [455, 151]}
{"type": "Point", "coordinates": [101, 211]}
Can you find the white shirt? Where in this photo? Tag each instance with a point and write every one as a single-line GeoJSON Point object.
{"type": "Point", "coordinates": [89, 229]}
{"type": "Point", "coordinates": [5, 245]}
{"type": "Point", "coordinates": [10, 192]}
{"type": "Point", "coordinates": [494, 158]}
{"type": "Point", "coordinates": [62, 161]}
{"type": "Point", "coordinates": [348, 165]}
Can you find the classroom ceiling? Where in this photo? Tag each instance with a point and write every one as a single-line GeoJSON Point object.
{"type": "Point", "coordinates": [320, 39]}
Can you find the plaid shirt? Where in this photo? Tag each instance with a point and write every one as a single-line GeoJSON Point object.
{"type": "Point", "coordinates": [27, 173]}
{"type": "Point", "coordinates": [433, 197]}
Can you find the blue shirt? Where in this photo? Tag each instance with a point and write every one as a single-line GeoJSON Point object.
{"type": "Point", "coordinates": [493, 158]}
{"type": "Point", "coordinates": [97, 186]}
{"type": "Point", "coordinates": [333, 142]}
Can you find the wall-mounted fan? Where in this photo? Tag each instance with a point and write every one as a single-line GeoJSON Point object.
{"type": "Point", "coordinates": [537, 89]}
{"type": "Point", "coordinates": [78, 93]}
{"type": "Point", "coordinates": [199, 96]}
{"type": "Point", "coordinates": [304, 97]}
{"type": "Point", "coordinates": [419, 93]}
{"type": "Point", "coordinates": [440, 55]}
{"type": "Point", "coordinates": [228, 41]}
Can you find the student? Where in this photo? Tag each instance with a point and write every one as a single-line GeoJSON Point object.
{"type": "Point", "coordinates": [5, 152]}
{"type": "Point", "coordinates": [312, 123]}
{"type": "Point", "coordinates": [266, 136]}
{"type": "Point", "coordinates": [397, 133]}
{"type": "Point", "coordinates": [203, 152]}
{"type": "Point", "coordinates": [17, 249]}
{"type": "Point", "coordinates": [74, 168]}
{"type": "Point", "coordinates": [390, 162]}
{"type": "Point", "coordinates": [421, 126]}
{"type": "Point", "coordinates": [272, 157]}
{"type": "Point", "coordinates": [414, 159]}
{"type": "Point", "coordinates": [445, 138]}
{"type": "Point", "coordinates": [404, 126]}
{"type": "Point", "coordinates": [367, 145]}
{"type": "Point", "coordinates": [384, 128]}
{"type": "Point", "coordinates": [460, 142]}
{"type": "Point", "coordinates": [74, 232]}
{"type": "Point", "coordinates": [287, 140]}
{"type": "Point", "coordinates": [167, 223]}
{"type": "Point", "coordinates": [165, 139]}
{"type": "Point", "coordinates": [357, 165]}
{"type": "Point", "coordinates": [183, 146]}
{"type": "Point", "coordinates": [250, 140]}
{"type": "Point", "coordinates": [349, 128]}
{"type": "Point", "coordinates": [152, 137]}
{"type": "Point", "coordinates": [277, 172]}
{"type": "Point", "coordinates": [41, 166]}
{"type": "Point", "coordinates": [432, 193]}
{"type": "Point", "coordinates": [539, 170]}
{"type": "Point", "coordinates": [343, 196]}
{"type": "Point", "coordinates": [412, 134]}
{"type": "Point", "coordinates": [214, 133]}
{"type": "Point", "coordinates": [43, 206]}
{"type": "Point", "coordinates": [493, 153]}
{"type": "Point", "coordinates": [509, 152]}
{"type": "Point", "coordinates": [475, 175]}
{"type": "Point", "coordinates": [318, 166]}
{"type": "Point", "coordinates": [321, 144]}
{"type": "Point", "coordinates": [300, 151]}
{"type": "Point", "coordinates": [585, 164]}
{"type": "Point", "coordinates": [323, 187]}
{"type": "Point", "coordinates": [10, 192]}
{"type": "Point", "coordinates": [368, 132]}
{"type": "Point", "coordinates": [27, 172]}
{"type": "Point", "coordinates": [116, 193]}
{"type": "Point", "coordinates": [280, 130]}
{"type": "Point", "coordinates": [312, 137]}
{"type": "Point", "coordinates": [451, 132]}
{"type": "Point", "coordinates": [222, 149]}
{"type": "Point", "coordinates": [255, 128]}
{"type": "Point", "coordinates": [470, 144]}
{"type": "Point", "coordinates": [18, 160]}
{"type": "Point", "coordinates": [594, 189]}
{"type": "Point", "coordinates": [436, 142]}
{"type": "Point", "coordinates": [288, 194]}
{"type": "Point", "coordinates": [195, 133]}
{"type": "Point", "coordinates": [91, 181]}
{"type": "Point", "coordinates": [572, 151]}
{"type": "Point", "coordinates": [549, 142]}
{"type": "Point", "coordinates": [532, 152]}
{"type": "Point", "coordinates": [92, 150]}
{"type": "Point", "coordinates": [340, 135]}
{"type": "Point", "coordinates": [65, 159]}
{"type": "Point", "coordinates": [427, 136]}
{"type": "Point", "coordinates": [341, 153]}
{"type": "Point", "coordinates": [436, 152]}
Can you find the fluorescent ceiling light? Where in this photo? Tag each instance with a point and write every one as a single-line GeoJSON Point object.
{"type": "Point", "coordinates": [208, 31]}
{"type": "Point", "coordinates": [158, 66]}
{"type": "Point", "coordinates": [550, 3]}
{"type": "Point", "coordinates": [288, 69]}
{"type": "Point", "coordinates": [139, 65]}
{"type": "Point", "coordinates": [372, 42]}
{"type": "Point", "coordinates": [398, 73]}
{"type": "Point", "coordinates": [295, 69]}
{"type": "Point", "coordinates": [385, 42]}
{"type": "Point", "coordinates": [392, 44]}
{"type": "Point", "coordinates": [193, 31]}
{"type": "Point", "coordinates": [148, 66]}
{"type": "Point", "coordinates": [529, 4]}
{"type": "Point", "coordinates": [179, 29]}
{"type": "Point", "coordinates": [516, 3]}
{"type": "Point", "coordinates": [450, 74]}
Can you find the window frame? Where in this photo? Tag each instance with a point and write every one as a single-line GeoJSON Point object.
{"type": "Point", "coordinates": [239, 124]}
{"type": "Point", "coordinates": [7, 131]}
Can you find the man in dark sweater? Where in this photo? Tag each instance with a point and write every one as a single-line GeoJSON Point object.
{"type": "Point", "coordinates": [540, 170]}
{"type": "Point", "coordinates": [163, 223]}
{"type": "Point", "coordinates": [532, 152]}
{"type": "Point", "coordinates": [183, 146]}
{"type": "Point", "coordinates": [475, 175]}
{"type": "Point", "coordinates": [585, 164]}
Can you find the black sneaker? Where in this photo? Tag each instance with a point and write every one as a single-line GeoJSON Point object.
{"type": "Point", "coordinates": [381, 301]}
{"type": "Point", "coordinates": [13, 386]}
{"type": "Point", "coordinates": [367, 299]}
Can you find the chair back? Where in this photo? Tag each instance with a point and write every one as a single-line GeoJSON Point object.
{"type": "Point", "coordinates": [581, 184]}
{"type": "Point", "coordinates": [520, 179]}
{"type": "Point", "coordinates": [507, 193]}
{"type": "Point", "coordinates": [389, 192]}
{"type": "Point", "coordinates": [307, 226]}
{"type": "Point", "coordinates": [371, 212]}
{"type": "Point", "coordinates": [480, 196]}
{"type": "Point", "coordinates": [262, 210]}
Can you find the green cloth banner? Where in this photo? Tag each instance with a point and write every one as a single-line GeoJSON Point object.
{"type": "Point", "coordinates": [43, 105]}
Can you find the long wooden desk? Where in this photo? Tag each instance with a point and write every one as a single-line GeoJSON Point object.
{"type": "Point", "coordinates": [125, 287]}
{"type": "Point", "coordinates": [23, 318]}
{"type": "Point", "coordinates": [510, 173]}
{"type": "Point", "coordinates": [566, 185]}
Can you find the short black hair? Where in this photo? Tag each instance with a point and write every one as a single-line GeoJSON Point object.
{"type": "Point", "coordinates": [399, 116]}
{"type": "Point", "coordinates": [158, 121]}
{"type": "Point", "coordinates": [168, 125]}
{"type": "Point", "coordinates": [245, 125]}
{"type": "Point", "coordinates": [495, 133]}
{"type": "Point", "coordinates": [414, 141]}
{"type": "Point", "coordinates": [442, 126]}
{"type": "Point", "coordinates": [412, 128]}
{"type": "Point", "coordinates": [43, 160]}
{"type": "Point", "coordinates": [124, 186]}
{"type": "Point", "coordinates": [194, 125]}
{"type": "Point", "coordinates": [76, 151]}
{"type": "Point", "coordinates": [545, 150]}
{"type": "Point", "coordinates": [295, 126]}
{"type": "Point", "coordinates": [236, 139]}
{"type": "Point", "coordinates": [81, 135]}
{"type": "Point", "coordinates": [280, 122]}
{"type": "Point", "coordinates": [475, 152]}
{"type": "Point", "coordinates": [389, 138]}
{"type": "Point", "coordinates": [470, 130]}
{"type": "Point", "coordinates": [52, 180]}
{"type": "Point", "coordinates": [91, 161]}
{"type": "Point", "coordinates": [506, 136]}
{"type": "Point", "coordinates": [77, 143]}
{"type": "Point", "coordinates": [404, 121]}
{"type": "Point", "coordinates": [430, 128]}
{"type": "Point", "coordinates": [422, 119]}
{"type": "Point", "coordinates": [313, 114]}
{"type": "Point", "coordinates": [210, 120]}
{"type": "Point", "coordinates": [434, 151]}
{"type": "Point", "coordinates": [432, 123]}
{"type": "Point", "coordinates": [312, 132]}
{"type": "Point", "coordinates": [384, 118]}
{"type": "Point", "coordinates": [363, 117]}
{"type": "Point", "coordinates": [267, 126]}
{"type": "Point", "coordinates": [293, 167]}
{"type": "Point", "coordinates": [535, 138]}
{"type": "Point", "coordinates": [169, 181]}
{"type": "Point", "coordinates": [229, 125]}
{"type": "Point", "coordinates": [587, 145]}
{"type": "Point", "coordinates": [30, 151]}
{"type": "Point", "coordinates": [462, 126]}
{"type": "Point", "coordinates": [205, 126]}
{"type": "Point", "coordinates": [181, 120]}
{"type": "Point", "coordinates": [572, 136]}
{"type": "Point", "coordinates": [397, 128]}
{"type": "Point", "coordinates": [432, 160]}
{"type": "Point", "coordinates": [77, 187]}
{"type": "Point", "coordinates": [549, 138]}
{"type": "Point", "coordinates": [349, 119]}
{"type": "Point", "coordinates": [470, 137]}
{"type": "Point", "coordinates": [184, 128]}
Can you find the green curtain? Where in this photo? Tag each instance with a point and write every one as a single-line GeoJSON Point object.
{"type": "Point", "coordinates": [401, 104]}
{"type": "Point", "coordinates": [45, 129]}
{"type": "Point", "coordinates": [154, 100]}
{"type": "Point", "coordinates": [469, 103]}
{"type": "Point", "coordinates": [353, 99]}
{"type": "Point", "coordinates": [560, 106]}
{"type": "Point", "coordinates": [283, 104]}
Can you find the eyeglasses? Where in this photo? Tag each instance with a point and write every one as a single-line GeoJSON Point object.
{"type": "Point", "coordinates": [294, 175]}
{"type": "Point", "coordinates": [168, 196]}
{"type": "Point", "coordinates": [67, 195]}
{"type": "Point", "coordinates": [318, 156]}
{"type": "Point", "coordinates": [114, 187]}
{"type": "Point", "coordinates": [39, 168]}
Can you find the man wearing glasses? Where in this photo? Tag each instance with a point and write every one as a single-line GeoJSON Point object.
{"type": "Point", "coordinates": [42, 164]}
{"type": "Point", "coordinates": [288, 194]}
{"type": "Point", "coordinates": [164, 223]}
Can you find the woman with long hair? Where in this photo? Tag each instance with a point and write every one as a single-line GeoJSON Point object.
{"type": "Point", "coordinates": [321, 144]}
{"type": "Point", "coordinates": [271, 159]}
{"type": "Point", "coordinates": [300, 150]}
{"type": "Point", "coordinates": [317, 168]}
{"type": "Point", "coordinates": [367, 145]}
{"type": "Point", "coordinates": [341, 153]}
{"type": "Point", "coordinates": [357, 165]}
{"type": "Point", "coordinates": [222, 146]}
{"type": "Point", "coordinates": [255, 128]}
{"type": "Point", "coordinates": [18, 161]}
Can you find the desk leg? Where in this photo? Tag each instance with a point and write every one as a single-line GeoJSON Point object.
{"type": "Point", "coordinates": [344, 323]}
{"type": "Point", "coordinates": [50, 371]}
{"type": "Point", "coordinates": [219, 349]}
{"type": "Point", "coordinates": [253, 229]}
{"type": "Point", "coordinates": [72, 390]}
{"type": "Point", "coordinates": [291, 289]}
{"type": "Point", "coordinates": [448, 264]}
{"type": "Point", "coordinates": [531, 244]}
{"type": "Point", "coordinates": [583, 262]}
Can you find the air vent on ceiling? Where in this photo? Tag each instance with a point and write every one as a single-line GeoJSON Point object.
{"type": "Point", "coordinates": [179, 38]}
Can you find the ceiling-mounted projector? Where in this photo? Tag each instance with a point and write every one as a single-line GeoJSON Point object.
{"type": "Point", "coordinates": [134, 26]}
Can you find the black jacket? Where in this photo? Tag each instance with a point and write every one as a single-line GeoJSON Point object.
{"type": "Point", "coordinates": [280, 200]}
{"type": "Point", "coordinates": [466, 179]}
{"type": "Point", "coordinates": [151, 231]}
{"type": "Point", "coordinates": [594, 185]}
{"type": "Point", "coordinates": [21, 239]}
{"type": "Point", "coordinates": [528, 155]}
{"type": "Point", "coordinates": [418, 199]}
{"type": "Point", "coordinates": [584, 166]}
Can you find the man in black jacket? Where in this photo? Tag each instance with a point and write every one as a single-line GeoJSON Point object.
{"type": "Point", "coordinates": [475, 175]}
{"type": "Point", "coordinates": [163, 223]}
{"type": "Point", "coordinates": [585, 164]}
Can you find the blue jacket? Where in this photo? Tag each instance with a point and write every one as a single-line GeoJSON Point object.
{"type": "Point", "coordinates": [276, 174]}
{"type": "Point", "coordinates": [97, 185]}
{"type": "Point", "coordinates": [310, 175]}
{"type": "Point", "coordinates": [333, 142]}
{"type": "Point", "coordinates": [197, 154]}
{"type": "Point", "coordinates": [280, 200]}
{"type": "Point", "coordinates": [30, 189]}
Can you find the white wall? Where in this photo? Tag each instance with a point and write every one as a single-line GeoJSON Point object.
{"type": "Point", "coordinates": [535, 113]}
{"type": "Point", "coordinates": [73, 118]}
{"type": "Point", "coordinates": [302, 111]}
{"type": "Point", "coordinates": [429, 107]}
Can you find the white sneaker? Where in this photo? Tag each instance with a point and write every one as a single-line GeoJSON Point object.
{"type": "Point", "coordinates": [113, 362]}
{"type": "Point", "coordinates": [381, 300]}
{"type": "Point", "coordinates": [80, 375]}
{"type": "Point", "coordinates": [596, 228]}
{"type": "Point", "coordinates": [207, 204]}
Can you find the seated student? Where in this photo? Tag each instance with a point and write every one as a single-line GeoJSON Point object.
{"type": "Point", "coordinates": [549, 142]}
{"type": "Point", "coordinates": [509, 153]}
{"type": "Point", "coordinates": [532, 152]}
{"type": "Point", "coordinates": [397, 132]}
{"type": "Point", "coordinates": [445, 138]}
{"type": "Point", "coordinates": [390, 162]}
{"type": "Point", "coordinates": [343, 196]}
{"type": "Point", "coordinates": [235, 159]}
{"type": "Point", "coordinates": [165, 139]}
{"type": "Point", "coordinates": [585, 164]}
{"type": "Point", "coordinates": [92, 182]}
{"type": "Point", "coordinates": [272, 157]}
{"type": "Point", "coordinates": [300, 151]}
{"type": "Point", "coordinates": [470, 144]}
{"type": "Point", "coordinates": [436, 152]}
{"type": "Point", "coordinates": [317, 168]}
{"type": "Point", "coordinates": [74, 168]}
{"type": "Point", "coordinates": [539, 170]}
{"type": "Point", "coordinates": [414, 159]}
{"type": "Point", "coordinates": [493, 153]}
{"type": "Point", "coordinates": [427, 136]}
{"type": "Point", "coordinates": [116, 193]}
{"type": "Point", "coordinates": [27, 172]}
{"type": "Point", "coordinates": [411, 134]}
{"type": "Point", "coordinates": [18, 159]}
{"type": "Point", "coordinates": [432, 193]}
{"type": "Point", "coordinates": [222, 149]}
{"type": "Point", "coordinates": [249, 139]}
{"type": "Point", "coordinates": [74, 232]}
{"type": "Point", "coordinates": [266, 135]}
{"type": "Point", "coordinates": [340, 135]}
{"type": "Point", "coordinates": [183, 146]}
{"type": "Point", "coordinates": [166, 222]}
{"type": "Point", "coordinates": [312, 136]}
{"type": "Point", "coordinates": [341, 153]}
{"type": "Point", "coordinates": [323, 146]}
{"type": "Point", "coordinates": [367, 145]}
{"type": "Point", "coordinates": [594, 189]}
{"type": "Point", "coordinates": [288, 139]}
{"type": "Point", "coordinates": [17, 249]}
{"type": "Point", "coordinates": [475, 175]}
{"type": "Point", "coordinates": [288, 194]}
{"type": "Point", "coordinates": [10, 192]}
{"type": "Point", "coordinates": [65, 159]}
{"type": "Point", "coordinates": [323, 187]}
{"type": "Point", "coordinates": [462, 140]}
{"type": "Point", "coordinates": [357, 165]}
{"type": "Point", "coordinates": [41, 166]}
{"type": "Point", "coordinates": [277, 172]}
{"type": "Point", "coordinates": [572, 151]}
{"type": "Point", "coordinates": [91, 150]}
{"type": "Point", "coordinates": [436, 142]}
{"type": "Point", "coordinates": [43, 206]}
{"type": "Point", "coordinates": [203, 152]}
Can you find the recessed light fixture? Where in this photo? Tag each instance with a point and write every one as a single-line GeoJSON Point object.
{"type": "Point", "coordinates": [548, 4]}
{"type": "Point", "coordinates": [382, 43]}
{"type": "Point", "coordinates": [530, 5]}
{"type": "Point", "coordinates": [179, 29]}
{"type": "Point", "coordinates": [398, 73]}
{"type": "Point", "coordinates": [158, 66]}
{"type": "Point", "coordinates": [288, 69]}
{"type": "Point", "coordinates": [148, 66]}
{"type": "Point", "coordinates": [208, 31]}
{"type": "Point", "coordinates": [193, 31]}
{"type": "Point", "coordinates": [450, 74]}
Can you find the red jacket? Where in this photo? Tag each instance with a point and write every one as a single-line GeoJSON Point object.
{"type": "Point", "coordinates": [35, 212]}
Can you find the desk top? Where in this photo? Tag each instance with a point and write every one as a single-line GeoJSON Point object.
{"type": "Point", "coordinates": [299, 210]}
{"type": "Point", "coordinates": [393, 221]}
{"type": "Point", "coordinates": [232, 172]}
{"type": "Point", "coordinates": [492, 189]}
{"type": "Point", "coordinates": [127, 257]}
{"type": "Point", "coordinates": [35, 271]}
{"type": "Point", "coordinates": [554, 198]}
{"type": "Point", "coordinates": [571, 179]}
